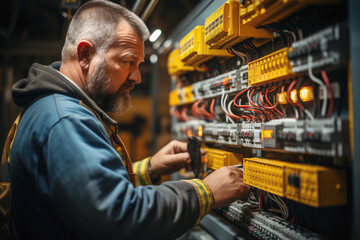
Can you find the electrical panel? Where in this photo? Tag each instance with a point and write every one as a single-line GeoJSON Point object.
{"type": "Point", "coordinates": [268, 92]}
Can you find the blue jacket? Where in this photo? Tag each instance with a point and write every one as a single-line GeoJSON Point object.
{"type": "Point", "coordinates": [68, 182]}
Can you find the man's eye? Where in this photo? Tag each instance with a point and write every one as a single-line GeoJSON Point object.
{"type": "Point", "coordinates": [129, 62]}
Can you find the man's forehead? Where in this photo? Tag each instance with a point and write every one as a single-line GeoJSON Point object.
{"type": "Point", "coordinates": [124, 28]}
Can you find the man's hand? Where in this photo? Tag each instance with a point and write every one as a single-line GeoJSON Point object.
{"type": "Point", "coordinates": [227, 185]}
{"type": "Point", "coordinates": [170, 158]}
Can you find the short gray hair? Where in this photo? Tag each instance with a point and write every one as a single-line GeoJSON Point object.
{"type": "Point", "coordinates": [97, 22]}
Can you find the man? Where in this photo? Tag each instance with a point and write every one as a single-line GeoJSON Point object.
{"type": "Point", "coordinates": [71, 175]}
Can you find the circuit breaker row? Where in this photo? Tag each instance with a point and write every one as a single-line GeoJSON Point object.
{"type": "Point", "coordinates": [325, 137]}
{"type": "Point", "coordinates": [264, 226]}
{"type": "Point", "coordinates": [226, 83]}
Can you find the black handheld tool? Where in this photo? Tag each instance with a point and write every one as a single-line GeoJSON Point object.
{"type": "Point", "coordinates": [193, 147]}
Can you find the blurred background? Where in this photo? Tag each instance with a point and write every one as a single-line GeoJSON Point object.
{"type": "Point", "coordinates": [34, 31]}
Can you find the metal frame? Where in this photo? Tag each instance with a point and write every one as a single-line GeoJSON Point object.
{"type": "Point", "coordinates": [354, 20]}
{"type": "Point", "coordinates": [201, 12]}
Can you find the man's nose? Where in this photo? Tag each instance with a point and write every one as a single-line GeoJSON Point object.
{"type": "Point", "coordinates": [135, 76]}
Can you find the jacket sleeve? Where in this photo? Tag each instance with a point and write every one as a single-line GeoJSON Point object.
{"type": "Point", "coordinates": [87, 185]}
{"type": "Point", "coordinates": [142, 170]}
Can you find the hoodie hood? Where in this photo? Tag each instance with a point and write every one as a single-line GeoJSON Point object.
{"type": "Point", "coordinates": [45, 80]}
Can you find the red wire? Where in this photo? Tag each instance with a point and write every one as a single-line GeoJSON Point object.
{"type": "Point", "coordinates": [270, 104]}
{"type": "Point", "coordinates": [253, 109]}
{"type": "Point", "coordinates": [260, 201]}
{"type": "Point", "coordinates": [328, 85]}
{"type": "Point", "coordinates": [240, 93]}
{"type": "Point", "coordinates": [212, 110]}
{"type": "Point", "coordinates": [266, 108]}
{"type": "Point", "coordinates": [262, 102]}
{"type": "Point", "coordinates": [288, 95]}
{"type": "Point", "coordinates": [251, 94]}
{"type": "Point", "coordinates": [205, 113]}
{"type": "Point", "coordinates": [195, 111]}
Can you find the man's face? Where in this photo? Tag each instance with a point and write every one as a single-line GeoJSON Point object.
{"type": "Point", "coordinates": [117, 72]}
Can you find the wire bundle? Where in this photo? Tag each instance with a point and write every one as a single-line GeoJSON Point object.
{"type": "Point", "coordinates": [325, 87]}
{"type": "Point", "coordinates": [246, 50]}
{"type": "Point", "coordinates": [257, 105]}
{"type": "Point", "coordinates": [198, 110]}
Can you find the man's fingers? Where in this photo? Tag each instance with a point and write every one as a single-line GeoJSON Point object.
{"type": "Point", "coordinates": [183, 157]}
{"type": "Point", "coordinates": [179, 146]}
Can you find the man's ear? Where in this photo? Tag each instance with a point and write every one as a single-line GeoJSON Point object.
{"type": "Point", "coordinates": [85, 52]}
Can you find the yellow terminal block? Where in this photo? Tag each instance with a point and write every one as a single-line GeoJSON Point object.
{"type": "Point", "coordinates": [187, 94]}
{"type": "Point", "coordinates": [312, 185]}
{"type": "Point", "coordinates": [181, 96]}
{"type": "Point", "coordinates": [262, 12]}
{"type": "Point", "coordinates": [174, 99]}
{"type": "Point", "coordinates": [316, 186]}
{"type": "Point", "coordinates": [194, 51]}
{"type": "Point", "coordinates": [270, 68]}
{"type": "Point", "coordinates": [192, 47]}
{"type": "Point", "coordinates": [222, 28]}
{"type": "Point", "coordinates": [217, 158]}
{"type": "Point", "coordinates": [175, 65]}
{"type": "Point", "coordinates": [264, 174]}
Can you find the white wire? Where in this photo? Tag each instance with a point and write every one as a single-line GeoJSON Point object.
{"type": "Point", "coordinates": [322, 85]}
{"type": "Point", "coordinates": [300, 33]}
{"type": "Point", "coordinates": [282, 210]}
{"type": "Point", "coordinates": [248, 96]}
{"type": "Point", "coordinates": [240, 54]}
{"type": "Point", "coordinates": [229, 111]}
{"type": "Point", "coordinates": [221, 101]}
{"type": "Point", "coordinates": [223, 106]}
{"type": "Point", "coordinates": [292, 34]}
{"type": "Point", "coordinates": [284, 206]}
{"type": "Point", "coordinates": [296, 113]}
{"type": "Point", "coordinates": [308, 113]}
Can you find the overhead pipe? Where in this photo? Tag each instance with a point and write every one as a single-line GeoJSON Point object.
{"type": "Point", "coordinates": [149, 10]}
{"type": "Point", "coordinates": [139, 4]}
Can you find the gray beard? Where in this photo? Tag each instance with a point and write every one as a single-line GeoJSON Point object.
{"type": "Point", "coordinates": [98, 84]}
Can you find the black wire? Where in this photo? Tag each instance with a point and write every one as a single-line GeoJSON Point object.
{"type": "Point", "coordinates": [271, 111]}
{"type": "Point", "coordinates": [261, 54]}
{"type": "Point", "coordinates": [257, 108]}
{"type": "Point", "coordinates": [254, 53]}
{"type": "Point", "coordinates": [258, 102]}
{"type": "Point", "coordinates": [240, 48]}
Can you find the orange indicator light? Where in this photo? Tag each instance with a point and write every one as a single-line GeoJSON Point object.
{"type": "Point", "coordinates": [267, 133]}
{"type": "Point", "coordinates": [189, 132]}
{"type": "Point", "coordinates": [200, 131]}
